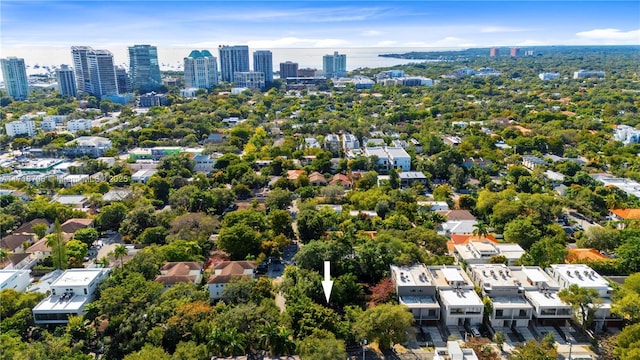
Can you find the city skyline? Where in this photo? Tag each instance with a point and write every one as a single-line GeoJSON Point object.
{"type": "Point", "coordinates": [288, 24]}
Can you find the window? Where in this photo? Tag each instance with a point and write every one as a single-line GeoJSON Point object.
{"type": "Point", "coordinates": [85, 291]}
{"type": "Point", "coordinates": [499, 313]}
{"type": "Point", "coordinates": [523, 313]}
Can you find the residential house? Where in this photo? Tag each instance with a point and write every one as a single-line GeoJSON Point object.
{"type": "Point", "coordinates": [416, 289]}
{"type": "Point", "coordinates": [173, 273]}
{"type": "Point", "coordinates": [17, 280]}
{"type": "Point", "coordinates": [78, 202]}
{"type": "Point", "coordinates": [341, 179]}
{"type": "Point", "coordinates": [204, 164]}
{"type": "Point", "coordinates": [72, 225]}
{"type": "Point", "coordinates": [542, 293]}
{"type": "Point", "coordinates": [409, 178]}
{"type": "Point", "coordinates": [92, 146]}
{"type": "Point", "coordinates": [349, 141]}
{"type": "Point", "coordinates": [14, 243]}
{"type": "Point", "coordinates": [142, 176]}
{"type": "Point", "coordinates": [27, 228]}
{"type": "Point", "coordinates": [317, 179]}
{"type": "Point", "coordinates": [41, 250]}
{"type": "Point", "coordinates": [24, 261]}
{"type": "Point", "coordinates": [453, 351]}
{"type": "Point", "coordinates": [332, 143]}
{"type": "Point", "coordinates": [481, 252]}
{"type": "Point", "coordinates": [586, 278]}
{"type": "Point", "coordinates": [70, 293]}
{"type": "Point", "coordinates": [227, 271]}
{"type": "Point", "coordinates": [434, 205]}
{"type": "Point", "coordinates": [624, 215]}
{"type": "Point", "coordinates": [311, 143]}
{"type": "Point", "coordinates": [477, 162]}
{"type": "Point", "coordinates": [509, 306]}
{"type": "Point", "coordinates": [459, 303]}
{"type": "Point", "coordinates": [382, 159]}
{"type": "Point", "coordinates": [458, 222]}
{"type": "Point", "coordinates": [117, 195]}
{"type": "Point", "coordinates": [464, 239]}
{"type": "Point", "coordinates": [531, 162]}
{"type": "Point", "coordinates": [293, 175]}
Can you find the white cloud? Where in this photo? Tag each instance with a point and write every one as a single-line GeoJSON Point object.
{"type": "Point", "coordinates": [371, 33]}
{"type": "Point", "coordinates": [530, 42]}
{"type": "Point", "coordinates": [611, 35]}
{"type": "Point", "coordinates": [295, 42]}
{"type": "Point", "coordinates": [500, 29]}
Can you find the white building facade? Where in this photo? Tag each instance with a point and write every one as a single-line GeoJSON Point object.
{"type": "Point", "coordinates": [21, 127]}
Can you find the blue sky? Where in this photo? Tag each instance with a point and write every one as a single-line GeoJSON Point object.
{"type": "Point", "coordinates": [321, 24]}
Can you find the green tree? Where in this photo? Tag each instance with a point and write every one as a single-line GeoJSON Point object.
{"type": "Point", "coordinates": [310, 225]}
{"type": "Point", "coordinates": [628, 342]}
{"type": "Point", "coordinates": [386, 324]}
{"type": "Point", "coordinates": [480, 229]}
{"type": "Point", "coordinates": [279, 199]}
{"type": "Point", "coordinates": [280, 223]}
{"type": "Point", "coordinates": [499, 338]}
{"type": "Point", "coordinates": [56, 242]}
{"type": "Point", "coordinates": [523, 232]}
{"type": "Point", "coordinates": [87, 235]}
{"type": "Point", "coordinates": [76, 252]}
{"type": "Point", "coordinates": [584, 301]}
{"type": "Point", "coordinates": [119, 252]}
{"type": "Point", "coordinates": [149, 352]}
{"type": "Point", "coordinates": [153, 235]}
{"type": "Point", "coordinates": [40, 230]}
{"type": "Point", "coordinates": [629, 254]}
{"type": "Point", "coordinates": [239, 241]}
{"type": "Point", "coordinates": [532, 350]}
{"type": "Point", "coordinates": [321, 345]}
{"type": "Point", "coordinates": [111, 216]}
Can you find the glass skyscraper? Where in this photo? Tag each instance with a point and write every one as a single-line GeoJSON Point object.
{"type": "Point", "coordinates": [263, 62]}
{"type": "Point", "coordinates": [233, 59]}
{"type": "Point", "coordinates": [144, 69]}
{"type": "Point", "coordinates": [14, 73]}
{"type": "Point", "coordinates": [334, 66]}
{"type": "Point", "coordinates": [66, 81]}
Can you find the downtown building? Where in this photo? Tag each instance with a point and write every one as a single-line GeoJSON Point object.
{"type": "Point", "coordinates": [288, 70]}
{"type": "Point", "coordinates": [200, 70]}
{"type": "Point", "coordinates": [233, 59]}
{"type": "Point", "coordinates": [263, 62]}
{"type": "Point", "coordinates": [334, 66]}
{"type": "Point", "coordinates": [144, 69]}
{"type": "Point", "coordinates": [249, 79]}
{"type": "Point", "coordinates": [95, 72]}
{"type": "Point", "coordinates": [66, 81]}
{"type": "Point", "coordinates": [14, 73]}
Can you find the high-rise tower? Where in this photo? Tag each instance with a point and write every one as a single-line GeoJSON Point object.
{"type": "Point", "coordinates": [103, 73]}
{"type": "Point", "coordinates": [66, 81]}
{"type": "Point", "coordinates": [334, 66]}
{"type": "Point", "coordinates": [263, 62]}
{"type": "Point", "coordinates": [233, 59]}
{"type": "Point", "coordinates": [200, 70]}
{"type": "Point", "coordinates": [144, 69]}
{"type": "Point", "coordinates": [14, 73]}
{"type": "Point", "coordinates": [288, 69]}
{"type": "Point", "coordinates": [81, 67]}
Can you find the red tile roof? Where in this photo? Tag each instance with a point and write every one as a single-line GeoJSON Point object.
{"type": "Point", "coordinates": [627, 214]}
{"type": "Point", "coordinates": [463, 239]}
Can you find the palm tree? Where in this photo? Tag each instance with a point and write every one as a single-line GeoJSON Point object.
{"type": "Point", "coordinates": [481, 229]}
{"type": "Point", "coordinates": [56, 243]}
{"type": "Point", "coordinates": [120, 252]}
{"type": "Point", "coordinates": [4, 255]}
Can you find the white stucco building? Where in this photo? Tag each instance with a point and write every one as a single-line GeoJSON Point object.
{"type": "Point", "coordinates": [70, 293]}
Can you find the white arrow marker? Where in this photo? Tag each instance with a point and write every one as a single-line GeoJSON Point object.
{"type": "Point", "coordinates": [327, 284]}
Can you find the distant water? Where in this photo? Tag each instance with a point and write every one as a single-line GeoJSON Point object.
{"type": "Point", "coordinates": [172, 58]}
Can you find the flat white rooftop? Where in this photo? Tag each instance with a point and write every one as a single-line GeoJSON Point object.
{"type": "Point", "coordinates": [452, 274]}
{"type": "Point", "coordinates": [510, 302]}
{"type": "Point", "coordinates": [579, 274]}
{"type": "Point", "coordinates": [546, 299]}
{"type": "Point", "coordinates": [413, 275]}
{"type": "Point", "coordinates": [419, 300]}
{"type": "Point", "coordinates": [58, 303]}
{"type": "Point", "coordinates": [462, 297]}
{"type": "Point", "coordinates": [77, 277]}
{"type": "Point", "coordinates": [5, 275]}
{"type": "Point", "coordinates": [496, 275]}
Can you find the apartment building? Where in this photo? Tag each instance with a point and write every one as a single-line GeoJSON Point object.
{"type": "Point", "coordinates": [459, 303]}
{"type": "Point", "coordinates": [510, 307]}
{"type": "Point", "coordinates": [332, 143]}
{"type": "Point", "coordinates": [349, 141]}
{"type": "Point", "coordinates": [92, 146]}
{"type": "Point", "coordinates": [416, 290]}
{"type": "Point", "coordinates": [70, 293]}
{"type": "Point", "coordinates": [79, 125]}
{"type": "Point", "coordinates": [17, 280]}
{"type": "Point", "coordinates": [542, 293]}
{"type": "Point", "coordinates": [481, 252]}
{"type": "Point", "coordinates": [585, 277]}
{"type": "Point", "coordinates": [21, 127]}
